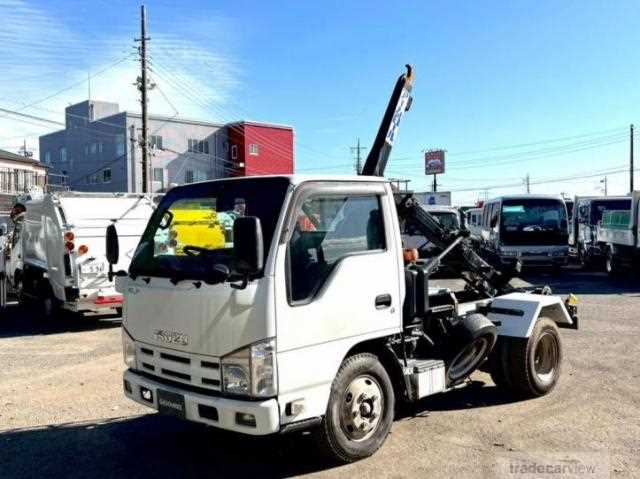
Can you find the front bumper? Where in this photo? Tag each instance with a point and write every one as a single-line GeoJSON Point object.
{"type": "Point", "coordinates": [528, 258]}
{"type": "Point", "coordinates": [266, 413]}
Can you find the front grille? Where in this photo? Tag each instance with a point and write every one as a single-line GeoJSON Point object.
{"type": "Point", "coordinates": [193, 369]}
{"type": "Point", "coordinates": [173, 357]}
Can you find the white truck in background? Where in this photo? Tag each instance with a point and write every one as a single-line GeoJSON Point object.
{"type": "Point", "coordinates": [618, 236]}
{"type": "Point", "coordinates": [587, 214]}
{"type": "Point", "coordinates": [313, 315]}
{"type": "Point", "coordinates": [56, 254]}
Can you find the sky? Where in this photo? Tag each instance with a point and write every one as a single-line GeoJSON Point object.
{"type": "Point", "coordinates": [544, 88]}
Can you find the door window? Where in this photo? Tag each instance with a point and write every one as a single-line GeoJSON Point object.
{"type": "Point", "coordinates": [328, 229]}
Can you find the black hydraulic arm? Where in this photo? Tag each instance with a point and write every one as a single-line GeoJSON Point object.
{"type": "Point", "coordinates": [479, 275]}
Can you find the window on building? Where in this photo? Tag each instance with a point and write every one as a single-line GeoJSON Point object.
{"type": "Point", "coordinates": [158, 178]}
{"type": "Point", "coordinates": [329, 228]}
{"type": "Point", "coordinates": [188, 176]}
{"type": "Point", "coordinates": [47, 157]}
{"type": "Point", "coordinates": [86, 149]}
{"type": "Point", "coordinates": [94, 148]}
{"type": "Point", "coordinates": [158, 174]}
{"type": "Point", "coordinates": [198, 146]}
{"type": "Point", "coordinates": [90, 112]}
{"type": "Point", "coordinates": [119, 145]}
{"type": "Point", "coordinates": [106, 175]}
{"type": "Point", "coordinates": [199, 175]}
{"type": "Point", "coordinates": [100, 146]}
{"type": "Point", "coordinates": [253, 149]}
{"type": "Point", "coordinates": [234, 152]}
{"type": "Point", "coordinates": [155, 141]}
{"type": "Point", "coordinates": [63, 155]}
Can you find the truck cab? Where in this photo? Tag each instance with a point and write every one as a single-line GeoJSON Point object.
{"type": "Point", "coordinates": [531, 229]}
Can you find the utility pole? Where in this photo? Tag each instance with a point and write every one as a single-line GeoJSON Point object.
{"type": "Point", "coordinates": [527, 182]}
{"type": "Point", "coordinates": [356, 150]}
{"type": "Point", "coordinates": [143, 87]}
{"type": "Point", "coordinates": [435, 183]}
{"type": "Point", "coordinates": [631, 158]}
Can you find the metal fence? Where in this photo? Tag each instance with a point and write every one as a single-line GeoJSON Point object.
{"type": "Point", "coordinates": [15, 181]}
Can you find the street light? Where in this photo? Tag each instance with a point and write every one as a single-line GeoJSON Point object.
{"type": "Point", "coordinates": [604, 181]}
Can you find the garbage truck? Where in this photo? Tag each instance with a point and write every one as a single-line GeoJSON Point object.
{"type": "Point", "coordinates": [55, 258]}
{"type": "Point", "coordinates": [315, 317]}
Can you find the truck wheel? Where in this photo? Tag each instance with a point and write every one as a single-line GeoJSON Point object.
{"type": "Point", "coordinates": [612, 264]}
{"type": "Point", "coordinates": [534, 364]}
{"type": "Point", "coordinates": [48, 304]}
{"type": "Point", "coordinates": [472, 339]}
{"type": "Point", "coordinates": [360, 411]}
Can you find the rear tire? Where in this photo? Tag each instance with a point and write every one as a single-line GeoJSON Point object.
{"type": "Point", "coordinates": [612, 265]}
{"type": "Point", "coordinates": [534, 364]}
{"type": "Point", "coordinates": [360, 410]}
{"type": "Point", "coordinates": [48, 306]}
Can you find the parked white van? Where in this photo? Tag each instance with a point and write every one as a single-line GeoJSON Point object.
{"type": "Point", "coordinates": [56, 255]}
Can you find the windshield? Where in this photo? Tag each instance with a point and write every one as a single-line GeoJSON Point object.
{"type": "Point", "coordinates": [600, 206]}
{"type": "Point", "coordinates": [533, 221]}
{"type": "Point", "coordinates": [192, 229]}
{"type": "Point", "coordinates": [446, 219]}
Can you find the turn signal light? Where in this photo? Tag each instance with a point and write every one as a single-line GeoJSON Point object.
{"type": "Point", "coordinates": [69, 236]}
{"type": "Point", "coordinates": [83, 249]}
{"type": "Point", "coordinates": [69, 245]}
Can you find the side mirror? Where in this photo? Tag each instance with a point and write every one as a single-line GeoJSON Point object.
{"type": "Point", "coordinates": [247, 246]}
{"type": "Point", "coordinates": [113, 248]}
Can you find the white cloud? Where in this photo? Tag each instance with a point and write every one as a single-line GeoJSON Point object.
{"type": "Point", "coordinates": [41, 54]}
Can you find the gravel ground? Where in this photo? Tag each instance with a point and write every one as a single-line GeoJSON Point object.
{"type": "Point", "coordinates": [62, 412]}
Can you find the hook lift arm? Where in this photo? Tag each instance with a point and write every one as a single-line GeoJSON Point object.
{"type": "Point", "coordinates": [480, 276]}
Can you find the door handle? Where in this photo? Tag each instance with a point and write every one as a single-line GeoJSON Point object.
{"type": "Point", "coordinates": [383, 301]}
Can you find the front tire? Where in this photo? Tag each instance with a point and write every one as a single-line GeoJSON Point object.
{"type": "Point", "coordinates": [360, 410]}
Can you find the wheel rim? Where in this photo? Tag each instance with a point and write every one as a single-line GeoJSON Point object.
{"type": "Point", "coordinates": [362, 407]}
{"type": "Point", "coordinates": [546, 357]}
{"type": "Point", "coordinates": [470, 356]}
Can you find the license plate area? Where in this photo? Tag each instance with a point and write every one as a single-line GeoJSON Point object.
{"type": "Point", "coordinates": [171, 404]}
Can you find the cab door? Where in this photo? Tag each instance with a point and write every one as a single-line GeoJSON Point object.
{"type": "Point", "coordinates": [344, 283]}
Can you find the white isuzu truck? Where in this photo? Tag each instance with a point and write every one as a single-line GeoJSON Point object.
{"type": "Point", "coordinates": [312, 315]}
{"type": "Point", "coordinates": [56, 255]}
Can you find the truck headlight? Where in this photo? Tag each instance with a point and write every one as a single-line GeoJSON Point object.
{"type": "Point", "coordinates": [251, 371]}
{"type": "Point", "coordinates": [128, 350]}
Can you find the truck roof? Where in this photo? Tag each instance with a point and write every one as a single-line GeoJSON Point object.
{"type": "Point", "coordinates": [525, 196]}
{"type": "Point", "coordinates": [440, 209]}
{"type": "Point", "coordinates": [297, 179]}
